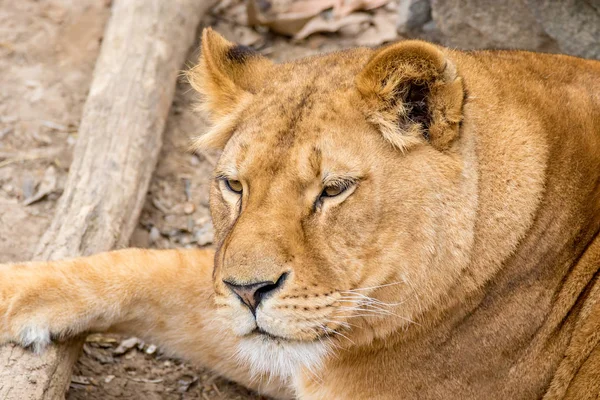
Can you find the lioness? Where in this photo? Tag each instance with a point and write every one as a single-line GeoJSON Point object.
{"type": "Point", "coordinates": [400, 223]}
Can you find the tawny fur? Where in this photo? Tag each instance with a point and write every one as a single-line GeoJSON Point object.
{"type": "Point", "coordinates": [461, 263]}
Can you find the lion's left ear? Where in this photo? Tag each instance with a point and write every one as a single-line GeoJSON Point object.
{"type": "Point", "coordinates": [412, 91]}
{"type": "Point", "coordinates": [226, 74]}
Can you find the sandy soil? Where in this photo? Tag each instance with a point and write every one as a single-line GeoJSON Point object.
{"type": "Point", "coordinates": [47, 54]}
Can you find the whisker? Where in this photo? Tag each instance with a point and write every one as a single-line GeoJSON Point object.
{"type": "Point", "coordinates": [345, 324]}
{"type": "Point", "coordinates": [328, 330]}
{"type": "Point", "coordinates": [362, 315]}
{"type": "Point", "coordinates": [332, 344]}
{"type": "Point", "coordinates": [342, 324]}
{"type": "Point", "coordinates": [377, 287]}
{"type": "Point", "coordinates": [311, 369]}
{"type": "Point", "coordinates": [370, 299]}
{"type": "Point", "coordinates": [374, 313]}
{"type": "Point", "coordinates": [366, 310]}
{"type": "Point", "coordinates": [409, 283]}
{"type": "Point", "coordinates": [373, 307]}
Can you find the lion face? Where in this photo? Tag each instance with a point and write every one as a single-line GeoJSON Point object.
{"type": "Point", "coordinates": [342, 201]}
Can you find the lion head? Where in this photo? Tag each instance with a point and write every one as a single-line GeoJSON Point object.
{"type": "Point", "coordinates": [343, 200]}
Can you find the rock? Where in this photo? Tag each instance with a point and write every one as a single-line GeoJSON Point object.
{"type": "Point", "coordinates": [154, 235]}
{"type": "Point", "coordinates": [151, 349]}
{"type": "Point", "coordinates": [490, 24]}
{"type": "Point", "coordinates": [185, 382]}
{"type": "Point", "coordinates": [574, 24]}
{"type": "Point", "coordinates": [412, 15]}
{"type": "Point", "coordinates": [126, 345]}
{"type": "Point", "coordinates": [83, 380]}
{"type": "Point", "coordinates": [205, 234]}
{"type": "Point", "coordinates": [568, 26]}
{"type": "Point", "coordinates": [99, 340]}
{"type": "Point", "coordinates": [189, 208]}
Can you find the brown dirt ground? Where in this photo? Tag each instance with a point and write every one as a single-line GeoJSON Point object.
{"type": "Point", "coordinates": [47, 54]}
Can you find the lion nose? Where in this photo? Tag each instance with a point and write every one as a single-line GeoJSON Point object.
{"type": "Point", "coordinates": [253, 293]}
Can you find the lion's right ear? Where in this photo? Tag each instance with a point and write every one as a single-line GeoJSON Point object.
{"type": "Point", "coordinates": [227, 74]}
{"type": "Point", "coordinates": [412, 93]}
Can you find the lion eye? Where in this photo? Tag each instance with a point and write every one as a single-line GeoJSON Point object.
{"type": "Point", "coordinates": [332, 191]}
{"type": "Point", "coordinates": [234, 185]}
{"type": "Point", "coordinates": [335, 192]}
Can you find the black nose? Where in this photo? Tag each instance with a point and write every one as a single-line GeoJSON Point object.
{"type": "Point", "coordinates": [253, 293]}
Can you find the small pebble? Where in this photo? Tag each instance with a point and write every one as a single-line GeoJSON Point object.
{"type": "Point", "coordinates": [151, 349]}
{"type": "Point", "coordinates": [154, 234]}
{"type": "Point", "coordinates": [189, 208]}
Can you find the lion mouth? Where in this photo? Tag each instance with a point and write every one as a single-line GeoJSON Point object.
{"type": "Point", "coordinates": [262, 333]}
{"type": "Point", "coordinates": [271, 337]}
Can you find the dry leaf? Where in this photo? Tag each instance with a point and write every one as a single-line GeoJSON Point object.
{"type": "Point", "coordinates": [247, 36]}
{"type": "Point", "coordinates": [310, 8]}
{"type": "Point", "coordinates": [47, 186]}
{"type": "Point", "coordinates": [350, 6]}
{"type": "Point", "coordinates": [185, 382]}
{"type": "Point", "coordinates": [291, 17]}
{"type": "Point", "coordinates": [382, 31]}
{"type": "Point", "coordinates": [146, 380]}
{"type": "Point", "coordinates": [320, 24]}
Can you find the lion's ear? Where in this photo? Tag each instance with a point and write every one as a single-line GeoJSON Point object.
{"type": "Point", "coordinates": [226, 74]}
{"type": "Point", "coordinates": [412, 91]}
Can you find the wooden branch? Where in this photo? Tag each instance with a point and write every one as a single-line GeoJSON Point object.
{"type": "Point", "coordinates": [143, 50]}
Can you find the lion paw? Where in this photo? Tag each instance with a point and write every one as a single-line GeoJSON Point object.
{"type": "Point", "coordinates": [25, 332]}
{"type": "Point", "coordinates": [15, 326]}
{"type": "Point", "coordinates": [34, 338]}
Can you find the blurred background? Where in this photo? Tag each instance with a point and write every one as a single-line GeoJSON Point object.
{"type": "Point", "coordinates": [48, 50]}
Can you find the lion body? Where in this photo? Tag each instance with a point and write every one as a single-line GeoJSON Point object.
{"type": "Point", "coordinates": [468, 217]}
{"type": "Point", "coordinates": [535, 124]}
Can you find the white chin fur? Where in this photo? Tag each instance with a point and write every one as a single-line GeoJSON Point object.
{"type": "Point", "coordinates": [284, 359]}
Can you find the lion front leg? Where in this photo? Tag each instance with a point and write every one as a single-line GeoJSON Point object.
{"type": "Point", "coordinates": [163, 296]}
{"type": "Point", "coordinates": [40, 301]}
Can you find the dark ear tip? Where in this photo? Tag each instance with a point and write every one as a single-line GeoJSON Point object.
{"type": "Point", "coordinates": [240, 53]}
